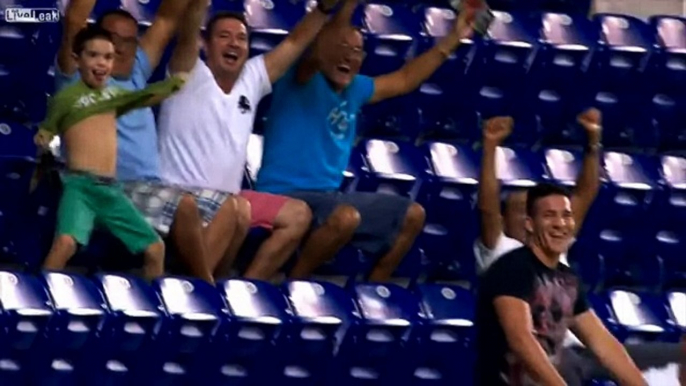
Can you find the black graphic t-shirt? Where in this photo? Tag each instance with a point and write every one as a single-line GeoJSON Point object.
{"type": "Point", "coordinates": [555, 297]}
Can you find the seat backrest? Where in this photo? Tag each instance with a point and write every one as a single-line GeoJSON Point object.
{"type": "Point", "coordinates": [395, 160]}
{"type": "Point", "coordinates": [144, 11]}
{"type": "Point", "coordinates": [274, 16]}
{"type": "Point", "coordinates": [438, 22]}
{"type": "Point", "coordinates": [390, 22]}
{"type": "Point", "coordinates": [511, 29]}
{"type": "Point", "coordinates": [631, 310]}
{"type": "Point", "coordinates": [386, 304]}
{"type": "Point", "coordinates": [631, 171]}
{"type": "Point", "coordinates": [567, 31]}
{"type": "Point", "coordinates": [319, 301]}
{"type": "Point", "coordinates": [623, 33]}
{"type": "Point", "coordinates": [255, 301]}
{"type": "Point", "coordinates": [563, 165]}
{"type": "Point", "coordinates": [671, 32]}
{"type": "Point", "coordinates": [447, 305]}
{"type": "Point", "coordinates": [192, 299]}
{"type": "Point", "coordinates": [455, 163]}
{"type": "Point", "coordinates": [23, 294]}
{"type": "Point", "coordinates": [74, 294]}
{"type": "Point", "coordinates": [129, 295]}
{"type": "Point", "coordinates": [674, 171]}
{"type": "Point", "coordinates": [517, 167]}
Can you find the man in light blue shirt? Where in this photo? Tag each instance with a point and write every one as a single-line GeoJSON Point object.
{"type": "Point", "coordinates": [166, 208]}
{"type": "Point", "coordinates": [309, 136]}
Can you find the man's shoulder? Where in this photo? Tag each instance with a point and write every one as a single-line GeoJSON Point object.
{"type": "Point", "coordinates": [515, 259]}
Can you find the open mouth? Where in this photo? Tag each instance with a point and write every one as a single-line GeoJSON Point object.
{"type": "Point", "coordinates": [343, 68]}
{"type": "Point", "coordinates": [231, 57]}
{"type": "Point", "coordinates": [99, 74]}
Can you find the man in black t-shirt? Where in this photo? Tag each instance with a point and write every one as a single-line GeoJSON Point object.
{"type": "Point", "coordinates": [527, 301]}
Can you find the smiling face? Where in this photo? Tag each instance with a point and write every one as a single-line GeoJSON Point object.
{"type": "Point", "coordinates": [551, 224]}
{"type": "Point", "coordinates": [96, 62]}
{"type": "Point", "coordinates": [227, 46]}
{"type": "Point", "coordinates": [341, 56]}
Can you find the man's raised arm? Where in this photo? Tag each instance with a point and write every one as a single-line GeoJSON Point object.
{"type": "Point", "coordinates": [187, 50]}
{"type": "Point", "coordinates": [495, 132]}
{"type": "Point", "coordinates": [166, 22]}
{"type": "Point", "coordinates": [414, 73]}
{"type": "Point", "coordinates": [588, 181]}
{"type": "Point", "coordinates": [75, 18]}
{"type": "Point", "coordinates": [281, 58]}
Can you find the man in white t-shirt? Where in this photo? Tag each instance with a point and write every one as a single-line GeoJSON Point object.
{"type": "Point", "coordinates": [504, 232]}
{"type": "Point", "coordinates": [204, 130]}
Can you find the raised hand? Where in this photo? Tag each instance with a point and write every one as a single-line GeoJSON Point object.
{"type": "Point", "coordinates": [497, 129]}
{"type": "Point", "coordinates": [464, 25]}
{"type": "Point", "coordinates": [591, 120]}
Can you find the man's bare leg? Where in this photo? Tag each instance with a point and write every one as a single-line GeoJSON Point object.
{"type": "Point", "coordinates": [242, 226]}
{"type": "Point", "coordinates": [63, 248]}
{"type": "Point", "coordinates": [290, 225]}
{"type": "Point", "coordinates": [187, 237]}
{"type": "Point", "coordinates": [220, 232]}
{"type": "Point", "coordinates": [412, 225]}
{"type": "Point", "coordinates": [326, 240]}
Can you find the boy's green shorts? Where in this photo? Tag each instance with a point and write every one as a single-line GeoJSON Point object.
{"type": "Point", "coordinates": [88, 200]}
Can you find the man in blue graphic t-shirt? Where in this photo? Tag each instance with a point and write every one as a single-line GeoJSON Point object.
{"type": "Point", "coordinates": [166, 208]}
{"type": "Point", "coordinates": [309, 136]}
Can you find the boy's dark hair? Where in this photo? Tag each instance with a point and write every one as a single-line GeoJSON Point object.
{"type": "Point", "coordinates": [221, 16]}
{"type": "Point", "coordinates": [87, 34]}
{"type": "Point", "coordinates": [540, 191]}
{"type": "Point", "coordinates": [115, 12]}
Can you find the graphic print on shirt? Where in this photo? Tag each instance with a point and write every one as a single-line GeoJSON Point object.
{"type": "Point", "coordinates": [96, 97]}
{"type": "Point", "coordinates": [243, 104]}
{"type": "Point", "coordinates": [339, 121]}
{"type": "Point", "coordinates": [552, 312]}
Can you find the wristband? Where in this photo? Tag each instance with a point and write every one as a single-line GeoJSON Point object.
{"type": "Point", "coordinates": [323, 10]}
{"type": "Point", "coordinates": [595, 147]}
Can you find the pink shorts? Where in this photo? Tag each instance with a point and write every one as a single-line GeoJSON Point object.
{"type": "Point", "coordinates": [264, 207]}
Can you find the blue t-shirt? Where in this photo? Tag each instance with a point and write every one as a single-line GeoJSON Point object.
{"type": "Point", "coordinates": [137, 155]}
{"type": "Point", "coordinates": [309, 133]}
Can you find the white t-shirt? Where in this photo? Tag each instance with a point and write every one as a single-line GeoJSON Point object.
{"type": "Point", "coordinates": [486, 257]}
{"type": "Point", "coordinates": [203, 132]}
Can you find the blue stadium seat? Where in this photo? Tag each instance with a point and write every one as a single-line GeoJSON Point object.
{"type": "Point", "coordinates": [131, 333]}
{"type": "Point", "coordinates": [227, 5]}
{"type": "Point", "coordinates": [25, 316]}
{"type": "Point", "coordinates": [499, 66]}
{"type": "Point", "coordinates": [616, 74]}
{"type": "Point", "coordinates": [270, 22]}
{"type": "Point", "coordinates": [671, 223]}
{"type": "Point", "coordinates": [627, 250]}
{"type": "Point", "coordinates": [442, 116]}
{"type": "Point", "coordinates": [196, 313]}
{"type": "Point", "coordinates": [322, 315]}
{"type": "Point", "coordinates": [392, 168]}
{"type": "Point", "coordinates": [260, 314]}
{"type": "Point", "coordinates": [556, 74]}
{"type": "Point", "coordinates": [74, 335]}
{"type": "Point", "coordinates": [635, 316]}
{"type": "Point", "coordinates": [448, 335]}
{"type": "Point", "coordinates": [448, 235]}
{"type": "Point", "coordinates": [143, 11]}
{"type": "Point", "coordinates": [391, 31]}
{"type": "Point", "coordinates": [669, 71]}
{"type": "Point", "coordinates": [376, 350]}
{"type": "Point", "coordinates": [102, 6]}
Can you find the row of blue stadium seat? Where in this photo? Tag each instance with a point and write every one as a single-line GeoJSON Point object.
{"type": "Point", "coordinates": [60, 327]}
{"type": "Point", "coordinates": [542, 68]}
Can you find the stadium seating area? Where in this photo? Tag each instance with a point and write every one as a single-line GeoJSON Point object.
{"type": "Point", "coordinates": [541, 68]}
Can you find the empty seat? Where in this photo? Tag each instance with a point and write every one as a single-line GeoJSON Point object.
{"type": "Point", "coordinates": [196, 313]}
{"type": "Point", "coordinates": [322, 315]}
{"type": "Point", "coordinates": [450, 204]}
{"type": "Point", "coordinates": [447, 336]}
{"type": "Point", "coordinates": [260, 314]}
{"type": "Point", "coordinates": [391, 31]}
{"type": "Point", "coordinates": [393, 167]}
{"type": "Point", "coordinates": [376, 348]}
{"type": "Point", "coordinates": [104, 6]}
{"type": "Point", "coordinates": [445, 115]}
{"type": "Point", "coordinates": [670, 65]}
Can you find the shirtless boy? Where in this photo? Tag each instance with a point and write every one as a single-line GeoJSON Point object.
{"type": "Point", "coordinates": [84, 115]}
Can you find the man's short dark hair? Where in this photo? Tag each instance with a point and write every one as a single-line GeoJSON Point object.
{"type": "Point", "coordinates": [87, 34]}
{"type": "Point", "coordinates": [221, 16]}
{"type": "Point", "coordinates": [540, 191]}
{"type": "Point", "coordinates": [115, 12]}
